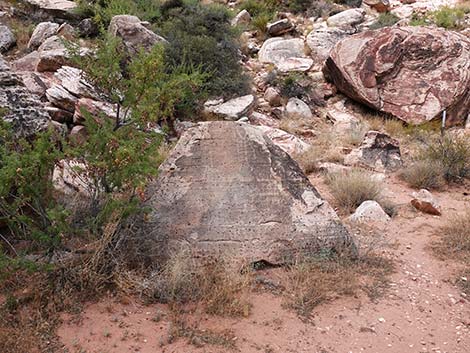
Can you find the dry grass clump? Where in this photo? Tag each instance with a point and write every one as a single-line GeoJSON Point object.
{"type": "Point", "coordinates": [454, 243]}
{"type": "Point", "coordinates": [356, 133]}
{"type": "Point", "coordinates": [455, 238]}
{"type": "Point", "coordinates": [353, 187]}
{"type": "Point", "coordinates": [313, 281]}
{"type": "Point", "coordinates": [221, 290]}
{"type": "Point", "coordinates": [309, 159]}
{"type": "Point", "coordinates": [423, 174]}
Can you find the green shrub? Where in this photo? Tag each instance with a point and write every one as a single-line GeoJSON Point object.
{"type": "Point", "coordinates": [386, 19]}
{"type": "Point", "coordinates": [448, 17]}
{"type": "Point", "coordinates": [27, 206]}
{"type": "Point", "coordinates": [202, 38]}
{"type": "Point", "coordinates": [452, 153]}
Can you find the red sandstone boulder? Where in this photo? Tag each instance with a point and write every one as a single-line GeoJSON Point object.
{"type": "Point", "coordinates": [413, 73]}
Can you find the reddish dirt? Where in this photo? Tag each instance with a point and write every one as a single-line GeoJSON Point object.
{"type": "Point", "coordinates": [422, 311]}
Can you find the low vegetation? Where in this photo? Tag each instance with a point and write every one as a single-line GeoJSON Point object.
{"type": "Point", "coordinates": [454, 243]}
{"type": "Point", "coordinates": [352, 187]}
{"type": "Point", "coordinates": [446, 17]}
{"type": "Point", "coordinates": [318, 279]}
{"type": "Point", "coordinates": [385, 19]}
{"type": "Point", "coordinates": [440, 160]}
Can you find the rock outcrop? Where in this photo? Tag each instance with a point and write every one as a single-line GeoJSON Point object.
{"type": "Point", "coordinates": [18, 106]}
{"type": "Point", "coordinates": [413, 73]}
{"type": "Point", "coordinates": [378, 151]}
{"type": "Point", "coordinates": [227, 190]}
{"type": "Point", "coordinates": [52, 9]}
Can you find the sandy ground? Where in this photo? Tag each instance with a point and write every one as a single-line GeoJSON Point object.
{"type": "Point", "coordinates": [422, 311]}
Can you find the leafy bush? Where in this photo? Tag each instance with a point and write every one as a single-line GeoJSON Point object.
{"type": "Point", "coordinates": [351, 188]}
{"type": "Point", "coordinates": [202, 38]}
{"type": "Point", "coordinates": [448, 17]}
{"type": "Point", "coordinates": [385, 19]}
{"type": "Point", "coordinates": [452, 153]}
{"type": "Point", "coordinates": [27, 206]}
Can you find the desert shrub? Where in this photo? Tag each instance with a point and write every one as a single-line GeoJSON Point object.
{"type": "Point", "coordinates": [27, 206]}
{"type": "Point", "coordinates": [294, 85]}
{"type": "Point", "coordinates": [385, 19]}
{"type": "Point", "coordinates": [299, 5]}
{"type": "Point", "coordinates": [262, 12]}
{"type": "Point", "coordinates": [309, 159]}
{"type": "Point", "coordinates": [452, 153]}
{"type": "Point", "coordinates": [356, 133]}
{"type": "Point", "coordinates": [448, 17]}
{"type": "Point", "coordinates": [202, 38]}
{"type": "Point", "coordinates": [185, 279]}
{"type": "Point", "coordinates": [148, 93]}
{"type": "Point", "coordinates": [351, 188]}
{"type": "Point", "coordinates": [314, 280]}
{"type": "Point", "coordinates": [423, 174]}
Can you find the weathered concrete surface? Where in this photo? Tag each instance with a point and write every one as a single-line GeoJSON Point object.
{"type": "Point", "coordinates": [226, 189]}
{"type": "Point", "coordinates": [413, 73]}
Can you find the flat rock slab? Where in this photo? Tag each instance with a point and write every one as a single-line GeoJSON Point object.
{"type": "Point", "coordinates": [50, 9]}
{"type": "Point", "coordinates": [227, 190]}
{"type": "Point", "coordinates": [413, 73]}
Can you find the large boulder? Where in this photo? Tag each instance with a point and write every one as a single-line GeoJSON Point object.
{"type": "Point", "coordinates": [227, 190]}
{"type": "Point", "coordinates": [135, 36]}
{"type": "Point", "coordinates": [413, 73]}
{"type": "Point", "coordinates": [18, 106]}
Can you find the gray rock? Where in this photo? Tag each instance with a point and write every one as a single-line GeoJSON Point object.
{"type": "Point", "coordinates": [347, 19]}
{"type": "Point", "coordinates": [286, 54]}
{"type": "Point", "coordinates": [369, 211]}
{"type": "Point", "coordinates": [7, 39]}
{"type": "Point", "coordinates": [73, 80]}
{"type": "Point", "coordinates": [87, 28]}
{"type": "Point", "coordinates": [273, 97]}
{"type": "Point", "coordinates": [322, 40]}
{"type": "Point", "coordinates": [297, 108]}
{"type": "Point", "coordinates": [243, 17]}
{"type": "Point", "coordinates": [279, 27]}
{"type": "Point", "coordinates": [233, 109]}
{"type": "Point", "coordinates": [134, 34]}
{"type": "Point", "coordinates": [289, 143]}
{"type": "Point", "coordinates": [18, 106]}
{"type": "Point", "coordinates": [378, 151]}
{"type": "Point", "coordinates": [51, 9]}
{"type": "Point", "coordinates": [52, 43]}
{"type": "Point", "coordinates": [42, 31]}
{"type": "Point", "coordinates": [226, 190]}
{"type": "Point", "coordinates": [61, 98]}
